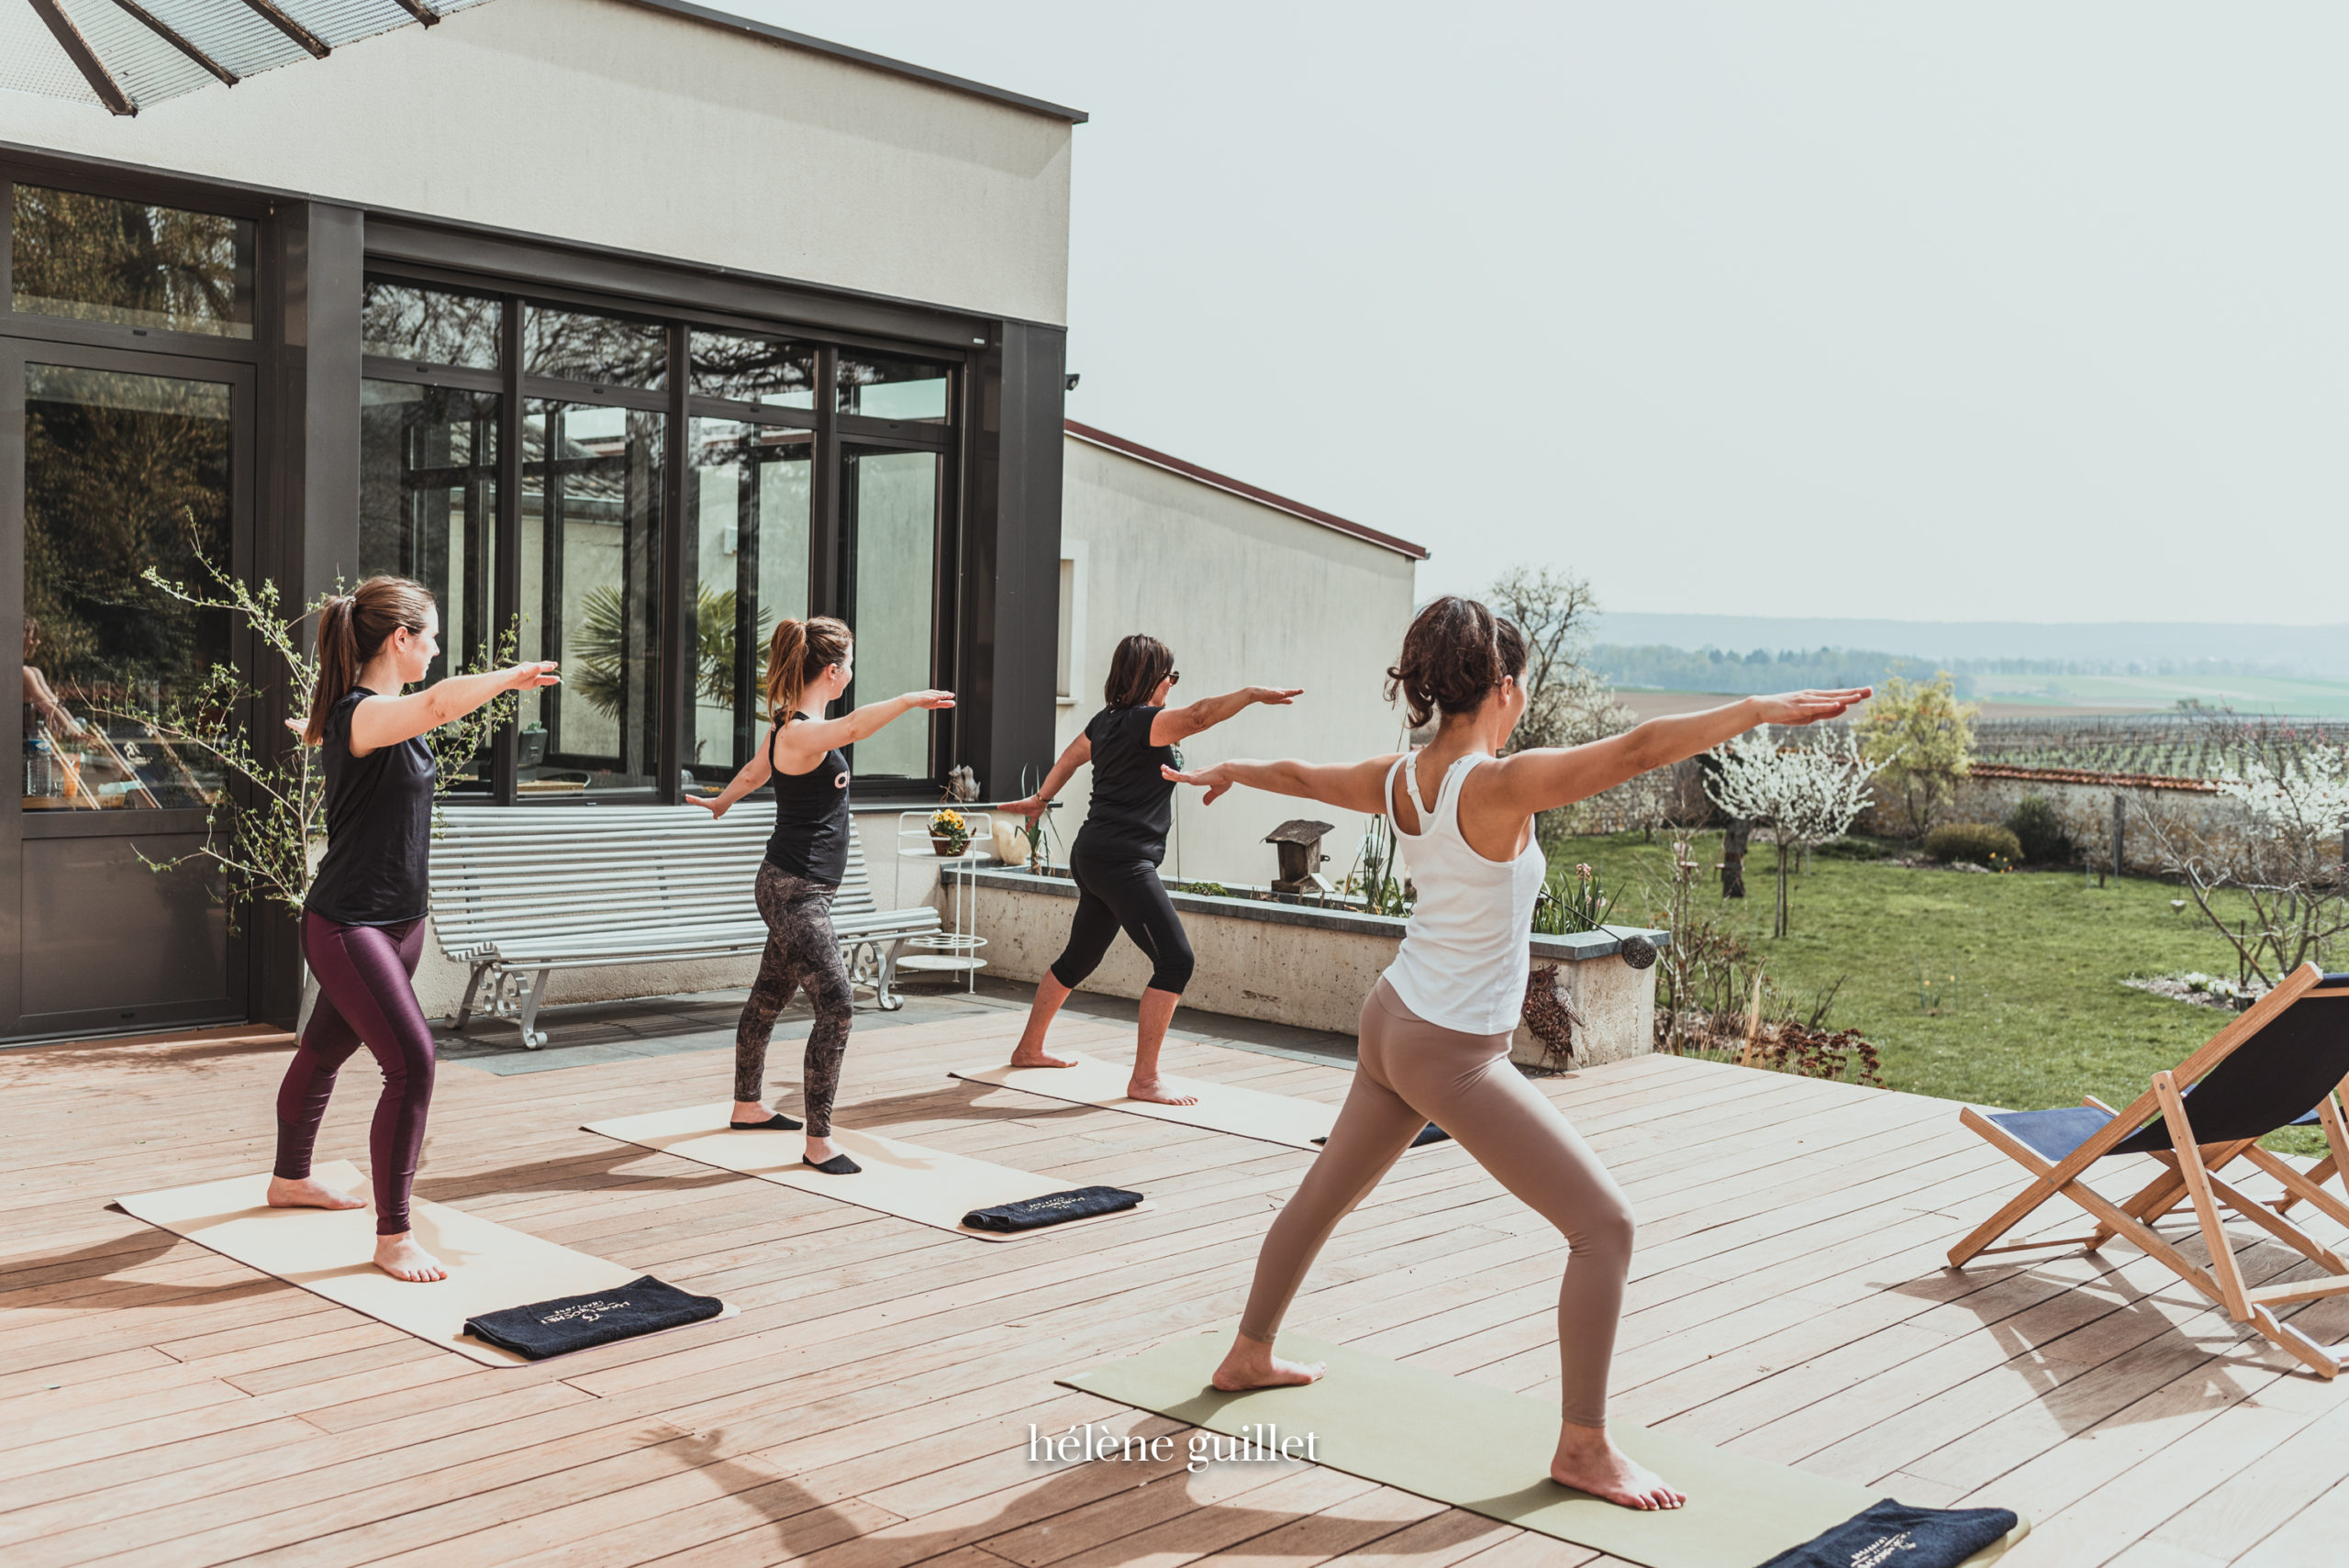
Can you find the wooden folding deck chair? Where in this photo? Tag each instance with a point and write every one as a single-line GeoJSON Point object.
{"type": "Point", "coordinates": [2282, 1062]}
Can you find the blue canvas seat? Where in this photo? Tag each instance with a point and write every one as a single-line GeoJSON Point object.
{"type": "Point", "coordinates": [2054, 1134]}
{"type": "Point", "coordinates": [2284, 1063]}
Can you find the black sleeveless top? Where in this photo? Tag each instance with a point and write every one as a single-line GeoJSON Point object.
{"type": "Point", "coordinates": [377, 869]}
{"type": "Point", "coordinates": [811, 820]}
{"type": "Point", "coordinates": [1132, 805]}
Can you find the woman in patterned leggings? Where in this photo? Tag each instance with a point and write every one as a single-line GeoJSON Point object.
{"type": "Point", "coordinates": [809, 663]}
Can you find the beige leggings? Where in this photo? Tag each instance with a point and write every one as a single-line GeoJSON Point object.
{"type": "Point", "coordinates": [1410, 1072]}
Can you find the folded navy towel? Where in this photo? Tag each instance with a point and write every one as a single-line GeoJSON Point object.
{"type": "Point", "coordinates": [1427, 1134]}
{"type": "Point", "coordinates": [1052, 1209]}
{"type": "Point", "coordinates": [570, 1323]}
{"type": "Point", "coordinates": [1897, 1535]}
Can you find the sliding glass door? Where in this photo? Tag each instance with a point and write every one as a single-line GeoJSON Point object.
{"type": "Point", "coordinates": [116, 469]}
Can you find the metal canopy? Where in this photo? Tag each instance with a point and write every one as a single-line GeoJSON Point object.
{"type": "Point", "coordinates": [126, 54]}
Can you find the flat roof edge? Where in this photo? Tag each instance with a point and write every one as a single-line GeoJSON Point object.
{"type": "Point", "coordinates": [1245, 490]}
{"type": "Point", "coordinates": [865, 57]}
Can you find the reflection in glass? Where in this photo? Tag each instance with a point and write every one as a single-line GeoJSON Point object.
{"type": "Point", "coordinates": [427, 509]}
{"type": "Point", "coordinates": [121, 473]}
{"type": "Point", "coordinates": [889, 507]}
{"type": "Point", "coordinates": [609, 351]}
{"type": "Point", "coordinates": [428, 326]}
{"type": "Point", "coordinates": [892, 389]}
{"type": "Point", "coordinates": [753, 370]}
{"type": "Point", "coordinates": [591, 594]}
{"type": "Point", "coordinates": [747, 491]}
{"type": "Point", "coordinates": [96, 259]}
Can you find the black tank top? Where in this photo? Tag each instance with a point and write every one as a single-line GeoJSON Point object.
{"type": "Point", "coordinates": [811, 819]}
{"type": "Point", "coordinates": [1132, 804]}
{"type": "Point", "coordinates": [377, 869]}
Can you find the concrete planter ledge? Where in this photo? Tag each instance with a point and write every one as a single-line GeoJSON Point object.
{"type": "Point", "coordinates": [1293, 963]}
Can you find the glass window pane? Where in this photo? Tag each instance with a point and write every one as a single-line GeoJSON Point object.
{"type": "Point", "coordinates": [889, 507]}
{"type": "Point", "coordinates": [404, 321]}
{"type": "Point", "coordinates": [609, 351]}
{"type": "Point", "coordinates": [591, 596]}
{"type": "Point", "coordinates": [747, 493]}
{"type": "Point", "coordinates": [96, 259]}
{"type": "Point", "coordinates": [892, 389]}
{"type": "Point", "coordinates": [427, 509]}
{"type": "Point", "coordinates": [754, 370]}
{"type": "Point", "coordinates": [121, 473]}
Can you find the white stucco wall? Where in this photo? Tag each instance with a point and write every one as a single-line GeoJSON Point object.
{"type": "Point", "coordinates": [1244, 594]}
{"type": "Point", "coordinates": [605, 123]}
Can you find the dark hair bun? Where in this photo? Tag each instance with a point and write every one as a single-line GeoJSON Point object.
{"type": "Point", "coordinates": [1454, 654]}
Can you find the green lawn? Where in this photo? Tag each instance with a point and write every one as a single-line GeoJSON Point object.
{"type": "Point", "coordinates": [2025, 1007]}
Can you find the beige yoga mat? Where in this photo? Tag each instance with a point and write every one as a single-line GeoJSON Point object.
{"type": "Point", "coordinates": [328, 1251]}
{"type": "Point", "coordinates": [903, 1179]}
{"type": "Point", "coordinates": [1222, 1107]}
{"type": "Point", "coordinates": [1472, 1446]}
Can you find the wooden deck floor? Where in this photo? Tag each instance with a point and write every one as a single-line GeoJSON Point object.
{"type": "Point", "coordinates": [160, 1405]}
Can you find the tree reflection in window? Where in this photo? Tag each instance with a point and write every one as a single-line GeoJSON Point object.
{"type": "Point", "coordinates": [121, 473]}
{"type": "Point", "coordinates": [428, 326]}
{"type": "Point", "coordinates": [95, 259]}
{"type": "Point", "coordinates": [612, 351]}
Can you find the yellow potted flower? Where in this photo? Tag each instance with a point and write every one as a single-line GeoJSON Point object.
{"type": "Point", "coordinates": [949, 833]}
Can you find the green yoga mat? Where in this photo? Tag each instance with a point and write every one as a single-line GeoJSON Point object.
{"type": "Point", "coordinates": [1474, 1446]}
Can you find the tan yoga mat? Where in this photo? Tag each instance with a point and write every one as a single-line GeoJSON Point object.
{"type": "Point", "coordinates": [903, 1179]}
{"type": "Point", "coordinates": [1472, 1446]}
{"type": "Point", "coordinates": [329, 1253]}
{"type": "Point", "coordinates": [1222, 1107]}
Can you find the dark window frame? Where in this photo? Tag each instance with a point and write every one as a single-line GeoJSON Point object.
{"type": "Point", "coordinates": [831, 563]}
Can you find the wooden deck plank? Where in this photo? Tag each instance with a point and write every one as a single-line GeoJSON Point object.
{"type": "Point", "coordinates": [871, 1404]}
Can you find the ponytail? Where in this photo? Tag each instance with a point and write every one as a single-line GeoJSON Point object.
{"type": "Point", "coordinates": [352, 628]}
{"type": "Point", "coordinates": [798, 652]}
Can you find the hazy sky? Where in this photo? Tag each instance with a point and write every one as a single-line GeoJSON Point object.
{"type": "Point", "coordinates": [1993, 311]}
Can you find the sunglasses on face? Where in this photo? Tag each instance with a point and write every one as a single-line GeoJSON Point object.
{"type": "Point", "coordinates": [1173, 677]}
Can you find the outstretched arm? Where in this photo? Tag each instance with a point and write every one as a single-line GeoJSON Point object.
{"type": "Point", "coordinates": [808, 739]}
{"type": "Point", "coordinates": [388, 720]}
{"type": "Point", "coordinates": [1078, 752]}
{"type": "Point", "coordinates": [1539, 780]}
{"type": "Point", "coordinates": [1172, 724]}
{"type": "Point", "coordinates": [1353, 786]}
{"type": "Point", "coordinates": [753, 773]}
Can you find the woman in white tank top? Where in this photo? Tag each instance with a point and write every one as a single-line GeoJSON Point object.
{"type": "Point", "coordinates": [1435, 1029]}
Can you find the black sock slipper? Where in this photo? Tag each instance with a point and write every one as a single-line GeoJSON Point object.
{"type": "Point", "coordinates": [776, 1120]}
{"type": "Point", "coordinates": [838, 1165]}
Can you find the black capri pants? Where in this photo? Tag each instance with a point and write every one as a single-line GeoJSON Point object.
{"type": "Point", "coordinates": [1115, 895]}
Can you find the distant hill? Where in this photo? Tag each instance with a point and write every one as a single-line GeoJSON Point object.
{"type": "Point", "coordinates": [1664, 668]}
{"type": "Point", "coordinates": [2086, 647]}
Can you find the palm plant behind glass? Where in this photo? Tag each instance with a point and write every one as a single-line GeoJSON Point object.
{"type": "Point", "coordinates": [599, 648]}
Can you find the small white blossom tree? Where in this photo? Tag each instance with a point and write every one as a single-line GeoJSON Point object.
{"type": "Point", "coordinates": [2278, 855]}
{"type": "Point", "coordinates": [1801, 794]}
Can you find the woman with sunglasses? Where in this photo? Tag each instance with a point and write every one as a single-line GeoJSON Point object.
{"type": "Point", "coordinates": [1115, 860]}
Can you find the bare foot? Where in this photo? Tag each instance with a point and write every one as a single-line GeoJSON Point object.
{"type": "Point", "coordinates": [753, 1110]}
{"type": "Point", "coordinates": [1250, 1363]}
{"type": "Point", "coordinates": [819, 1150]}
{"type": "Point", "coordinates": [1155, 1091]}
{"type": "Point", "coordinates": [401, 1258]}
{"type": "Point", "coordinates": [1590, 1462]}
{"type": "Point", "coordinates": [304, 1191]}
{"type": "Point", "coordinates": [1025, 1058]}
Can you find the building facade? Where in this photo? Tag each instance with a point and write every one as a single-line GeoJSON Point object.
{"type": "Point", "coordinates": [626, 327]}
{"type": "Point", "coordinates": [1248, 588]}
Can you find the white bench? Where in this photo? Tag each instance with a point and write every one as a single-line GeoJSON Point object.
{"type": "Point", "coordinates": [518, 893]}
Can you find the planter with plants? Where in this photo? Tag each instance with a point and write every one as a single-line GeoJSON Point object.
{"type": "Point", "coordinates": [949, 832]}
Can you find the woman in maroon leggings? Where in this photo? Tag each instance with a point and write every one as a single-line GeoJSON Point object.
{"type": "Point", "coordinates": [362, 925]}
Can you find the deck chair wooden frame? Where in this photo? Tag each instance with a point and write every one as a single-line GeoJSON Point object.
{"type": "Point", "coordinates": [2192, 1175]}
